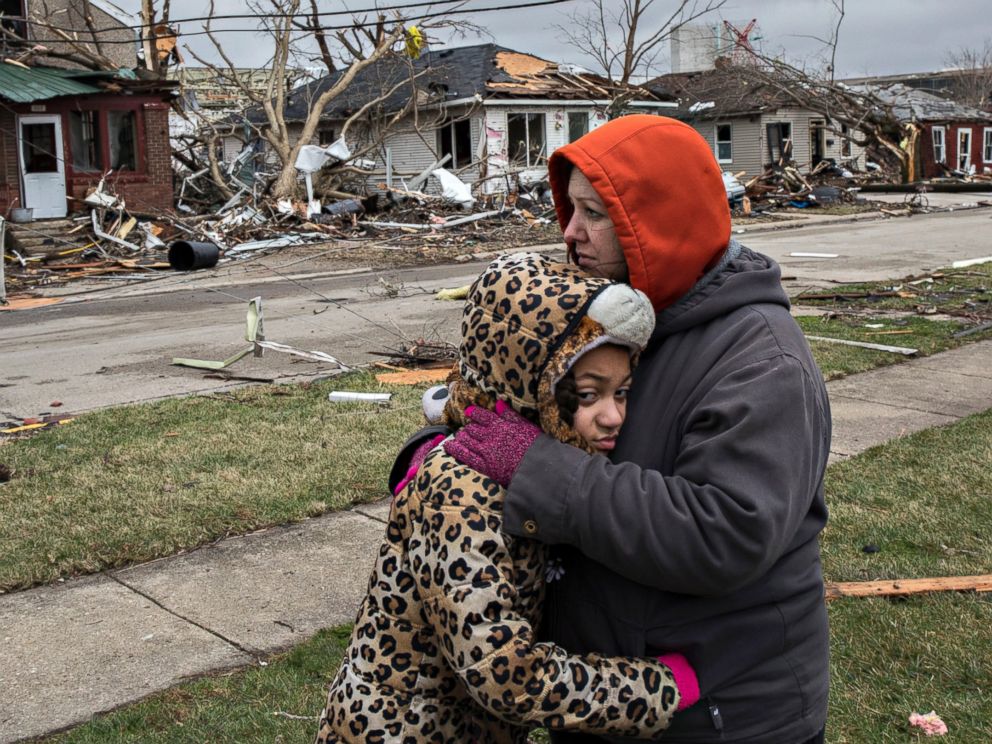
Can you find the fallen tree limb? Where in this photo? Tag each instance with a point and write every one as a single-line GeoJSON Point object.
{"type": "Point", "coordinates": [904, 587]}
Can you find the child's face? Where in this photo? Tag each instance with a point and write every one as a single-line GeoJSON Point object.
{"type": "Point", "coordinates": [602, 379]}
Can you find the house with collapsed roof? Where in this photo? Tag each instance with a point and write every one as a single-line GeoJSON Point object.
{"type": "Point", "coordinates": [945, 136]}
{"type": "Point", "coordinates": [65, 126]}
{"type": "Point", "coordinates": [491, 114]}
{"type": "Point", "coordinates": [751, 126]}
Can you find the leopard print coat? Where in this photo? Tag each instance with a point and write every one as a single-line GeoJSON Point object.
{"type": "Point", "coordinates": [444, 649]}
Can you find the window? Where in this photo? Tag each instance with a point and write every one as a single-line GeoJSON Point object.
{"type": "Point", "coordinates": [455, 139]}
{"type": "Point", "coordinates": [525, 133]}
{"type": "Point", "coordinates": [939, 149]}
{"type": "Point", "coordinates": [987, 145]}
{"type": "Point", "coordinates": [325, 136]}
{"type": "Point", "coordinates": [964, 149]}
{"type": "Point", "coordinates": [578, 125]}
{"type": "Point", "coordinates": [779, 141]}
{"type": "Point", "coordinates": [123, 134]}
{"type": "Point", "coordinates": [103, 139]}
{"type": "Point", "coordinates": [845, 141]}
{"type": "Point", "coordinates": [13, 17]}
{"type": "Point", "coordinates": [724, 146]}
{"type": "Point", "coordinates": [84, 140]}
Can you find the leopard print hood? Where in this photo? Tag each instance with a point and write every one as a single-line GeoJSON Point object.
{"type": "Point", "coordinates": [527, 319]}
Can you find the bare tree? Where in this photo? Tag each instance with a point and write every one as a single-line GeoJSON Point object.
{"type": "Point", "coordinates": [972, 75]}
{"type": "Point", "coordinates": [344, 53]}
{"type": "Point", "coordinates": [860, 115]}
{"type": "Point", "coordinates": [618, 36]}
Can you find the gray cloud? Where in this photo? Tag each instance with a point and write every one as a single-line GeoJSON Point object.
{"type": "Point", "coordinates": [876, 37]}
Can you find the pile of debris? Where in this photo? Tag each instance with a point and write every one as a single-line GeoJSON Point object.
{"type": "Point", "coordinates": [783, 185]}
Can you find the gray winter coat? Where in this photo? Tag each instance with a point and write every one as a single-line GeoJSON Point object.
{"type": "Point", "coordinates": [701, 535]}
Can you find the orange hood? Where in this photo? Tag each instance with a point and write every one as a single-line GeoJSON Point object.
{"type": "Point", "coordinates": [664, 192]}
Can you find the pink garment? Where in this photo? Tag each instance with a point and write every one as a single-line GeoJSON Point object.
{"type": "Point", "coordinates": [415, 462]}
{"type": "Point", "coordinates": [931, 723]}
{"type": "Point", "coordinates": [685, 679]}
{"type": "Point", "coordinates": [493, 443]}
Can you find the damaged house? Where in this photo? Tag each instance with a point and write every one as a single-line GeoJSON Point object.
{"type": "Point", "coordinates": [945, 136]}
{"type": "Point", "coordinates": [64, 125]}
{"type": "Point", "coordinates": [751, 126]}
{"type": "Point", "coordinates": [491, 114]}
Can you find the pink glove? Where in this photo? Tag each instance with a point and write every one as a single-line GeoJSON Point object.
{"type": "Point", "coordinates": [416, 461]}
{"type": "Point", "coordinates": [685, 679]}
{"type": "Point", "coordinates": [493, 443]}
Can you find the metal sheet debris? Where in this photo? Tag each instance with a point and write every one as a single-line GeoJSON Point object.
{"type": "Point", "coordinates": [255, 334]}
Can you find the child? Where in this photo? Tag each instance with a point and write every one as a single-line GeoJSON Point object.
{"type": "Point", "coordinates": [443, 649]}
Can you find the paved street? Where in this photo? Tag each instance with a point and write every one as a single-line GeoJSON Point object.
{"type": "Point", "coordinates": [115, 346]}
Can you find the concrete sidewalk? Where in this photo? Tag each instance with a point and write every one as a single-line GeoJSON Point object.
{"type": "Point", "coordinates": [80, 647]}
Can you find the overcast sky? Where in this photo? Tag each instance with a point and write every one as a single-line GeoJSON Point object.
{"type": "Point", "coordinates": [876, 37]}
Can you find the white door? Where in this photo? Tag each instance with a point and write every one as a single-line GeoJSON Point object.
{"type": "Point", "coordinates": [964, 149]}
{"type": "Point", "coordinates": [42, 167]}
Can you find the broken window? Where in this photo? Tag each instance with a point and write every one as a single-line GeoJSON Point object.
{"type": "Point", "coordinates": [724, 146]}
{"type": "Point", "coordinates": [13, 17]}
{"type": "Point", "coordinates": [845, 141]}
{"type": "Point", "coordinates": [84, 140]}
{"type": "Point", "coordinates": [964, 149]}
{"type": "Point", "coordinates": [578, 125]}
{"type": "Point", "coordinates": [525, 133]}
{"type": "Point", "coordinates": [939, 148]}
{"type": "Point", "coordinates": [817, 147]}
{"type": "Point", "coordinates": [454, 138]}
{"type": "Point", "coordinates": [987, 145]}
{"type": "Point", "coordinates": [779, 141]}
{"type": "Point", "coordinates": [122, 130]}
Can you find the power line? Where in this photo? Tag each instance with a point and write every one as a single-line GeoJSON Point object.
{"type": "Point", "coordinates": [274, 16]}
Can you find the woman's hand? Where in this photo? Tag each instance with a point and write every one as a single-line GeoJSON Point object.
{"type": "Point", "coordinates": [493, 443]}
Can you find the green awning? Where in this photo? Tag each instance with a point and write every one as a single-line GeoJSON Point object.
{"type": "Point", "coordinates": [27, 84]}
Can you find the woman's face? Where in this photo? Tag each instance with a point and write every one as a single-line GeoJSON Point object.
{"type": "Point", "coordinates": [602, 380]}
{"type": "Point", "coordinates": [590, 236]}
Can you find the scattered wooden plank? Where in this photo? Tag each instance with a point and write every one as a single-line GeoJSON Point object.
{"type": "Point", "coordinates": [414, 376]}
{"type": "Point", "coordinates": [905, 587]}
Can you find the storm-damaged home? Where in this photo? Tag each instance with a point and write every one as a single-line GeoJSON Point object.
{"type": "Point", "coordinates": [488, 114]}
{"type": "Point", "coordinates": [943, 137]}
{"type": "Point", "coordinates": [751, 126]}
{"type": "Point", "coordinates": [73, 113]}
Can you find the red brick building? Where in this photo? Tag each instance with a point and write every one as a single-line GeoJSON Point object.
{"type": "Point", "coordinates": [61, 131]}
{"type": "Point", "coordinates": [952, 136]}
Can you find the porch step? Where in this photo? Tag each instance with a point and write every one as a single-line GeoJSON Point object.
{"type": "Point", "coordinates": [44, 237]}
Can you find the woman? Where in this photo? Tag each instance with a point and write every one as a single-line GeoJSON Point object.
{"type": "Point", "coordinates": [443, 649]}
{"type": "Point", "coordinates": [701, 534]}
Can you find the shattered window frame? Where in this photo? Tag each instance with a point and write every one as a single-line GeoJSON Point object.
{"type": "Point", "coordinates": [845, 141]}
{"type": "Point", "coordinates": [939, 144]}
{"type": "Point", "coordinates": [84, 140]}
{"type": "Point", "coordinates": [987, 144]}
{"type": "Point", "coordinates": [723, 148]}
{"type": "Point", "coordinates": [964, 153]}
{"type": "Point", "coordinates": [581, 119]}
{"type": "Point", "coordinates": [453, 136]}
{"type": "Point", "coordinates": [779, 148]}
{"type": "Point", "coordinates": [14, 13]}
{"type": "Point", "coordinates": [529, 151]}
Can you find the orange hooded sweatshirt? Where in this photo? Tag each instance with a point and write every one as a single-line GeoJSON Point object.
{"type": "Point", "coordinates": [663, 191]}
